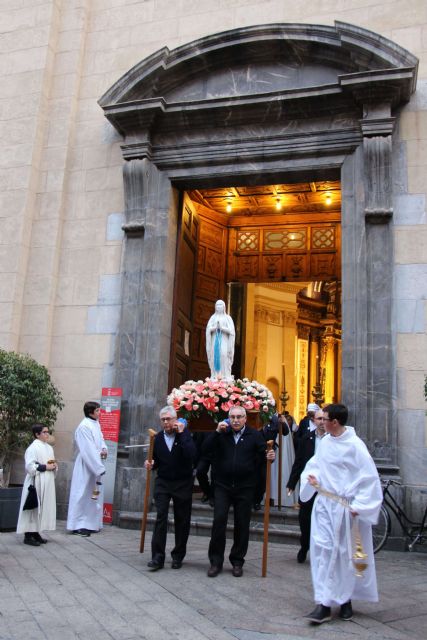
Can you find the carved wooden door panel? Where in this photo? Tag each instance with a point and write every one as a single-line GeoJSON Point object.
{"type": "Point", "coordinates": [185, 278]}
{"type": "Point", "coordinates": [210, 285]}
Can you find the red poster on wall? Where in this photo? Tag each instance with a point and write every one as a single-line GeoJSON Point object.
{"type": "Point", "coordinates": [109, 420]}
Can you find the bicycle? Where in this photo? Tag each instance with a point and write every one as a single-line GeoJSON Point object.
{"type": "Point", "coordinates": [415, 532]}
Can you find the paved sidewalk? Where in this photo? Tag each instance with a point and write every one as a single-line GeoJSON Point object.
{"type": "Point", "coordinates": [99, 588]}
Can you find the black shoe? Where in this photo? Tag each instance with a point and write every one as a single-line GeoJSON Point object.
{"type": "Point", "coordinates": [214, 570]}
{"type": "Point", "coordinates": [204, 498]}
{"type": "Point", "coordinates": [176, 564]}
{"type": "Point", "coordinates": [319, 614]}
{"type": "Point", "coordinates": [38, 537]}
{"type": "Point", "coordinates": [154, 565]}
{"type": "Point", "coordinates": [346, 611]}
{"type": "Point", "coordinates": [237, 571]}
{"type": "Point", "coordinates": [32, 542]}
{"type": "Point", "coordinates": [301, 555]}
{"type": "Point", "coordinates": [84, 533]}
{"type": "Point", "coordinates": [257, 506]}
{"type": "Point", "coordinates": [211, 502]}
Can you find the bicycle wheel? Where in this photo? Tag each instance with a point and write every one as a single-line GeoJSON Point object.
{"type": "Point", "coordinates": [381, 530]}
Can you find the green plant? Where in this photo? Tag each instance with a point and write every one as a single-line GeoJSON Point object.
{"type": "Point", "coordinates": [27, 395]}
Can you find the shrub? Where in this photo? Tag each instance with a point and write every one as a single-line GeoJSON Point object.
{"type": "Point", "coordinates": [27, 395]}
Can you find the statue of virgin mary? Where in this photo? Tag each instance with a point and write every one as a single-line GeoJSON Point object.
{"type": "Point", "coordinates": [220, 335]}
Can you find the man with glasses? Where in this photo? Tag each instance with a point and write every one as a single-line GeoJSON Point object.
{"type": "Point", "coordinates": [237, 453]}
{"type": "Point", "coordinates": [349, 496]}
{"type": "Point", "coordinates": [174, 455]}
{"type": "Point", "coordinates": [307, 448]}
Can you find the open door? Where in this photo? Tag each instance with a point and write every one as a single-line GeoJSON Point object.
{"type": "Point", "coordinates": [185, 277]}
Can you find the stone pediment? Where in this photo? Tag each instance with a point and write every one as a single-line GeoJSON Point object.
{"type": "Point", "coordinates": [247, 74]}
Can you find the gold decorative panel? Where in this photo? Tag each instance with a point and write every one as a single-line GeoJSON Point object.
{"type": "Point", "coordinates": [247, 267]}
{"type": "Point", "coordinates": [272, 267]}
{"type": "Point", "coordinates": [213, 264]}
{"type": "Point", "coordinates": [285, 239]}
{"type": "Point", "coordinates": [248, 240]}
{"type": "Point", "coordinates": [296, 266]}
{"type": "Point", "coordinates": [323, 238]}
{"type": "Point", "coordinates": [323, 265]}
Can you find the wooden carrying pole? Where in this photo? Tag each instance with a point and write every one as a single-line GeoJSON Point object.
{"type": "Point", "coordinates": [266, 512]}
{"type": "Point", "coordinates": [152, 434]}
{"type": "Point", "coordinates": [279, 475]}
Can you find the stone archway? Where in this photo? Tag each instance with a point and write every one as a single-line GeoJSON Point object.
{"type": "Point", "coordinates": [249, 105]}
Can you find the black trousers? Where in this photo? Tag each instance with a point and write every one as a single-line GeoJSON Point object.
{"type": "Point", "coordinates": [241, 501]}
{"type": "Point", "coordinates": [181, 493]}
{"type": "Point", "coordinates": [304, 518]}
{"type": "Point", "coordinates": [202, 476]}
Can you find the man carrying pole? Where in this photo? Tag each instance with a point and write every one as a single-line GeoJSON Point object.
{"type": "Point", "coordinates": [174, 454]}
{"type": "Point", "coordinates": [237, 453]}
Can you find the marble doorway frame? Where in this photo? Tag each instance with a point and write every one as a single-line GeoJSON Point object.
{"type": "Point", "coordinates": [173, 142]}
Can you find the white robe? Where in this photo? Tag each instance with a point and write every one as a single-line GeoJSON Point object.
{"type": "Point", "coordinates": [83, 512]}
{"type": "Point", "coordinates": [43, 518]}
{"type": "Point", "coordinates": [288, 457]}
{"type": "Point", "coordinates": [342, 465]}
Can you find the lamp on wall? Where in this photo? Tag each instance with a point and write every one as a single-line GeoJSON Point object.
{"type": "Point", "coordinates": [228, 208]}
{"type": "Point", "coordinates": [278, 204]}
{"type": "Point", "coordinates": [328, 199]}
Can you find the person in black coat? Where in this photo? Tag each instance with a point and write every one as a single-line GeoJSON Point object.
{"type": "Point", "coordinates": [174, 455]}
{"type": "Point", "coordinates": [307, 424]}
{"type": "Point", "coordinates": [237, 453]}
{"type": "Point", "coordinates": [270, 431]}
{"type": "Point", "coordinates": [306, 450]}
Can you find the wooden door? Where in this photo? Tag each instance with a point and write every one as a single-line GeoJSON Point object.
{"type": "Point", "coordinates": [210, 283]}
{"type": "Point", "coordinates": [185, 277]}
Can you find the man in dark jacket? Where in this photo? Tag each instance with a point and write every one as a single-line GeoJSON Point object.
{"type": "Point", "coordinates": [237, 453]}
{"type": "Point", "coordinates": [174, 454]}
{"type": "Point", "coordinates": [306, 450]}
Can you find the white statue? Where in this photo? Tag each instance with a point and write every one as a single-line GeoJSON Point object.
{"type": "Point", "coordinates": [220, 335]}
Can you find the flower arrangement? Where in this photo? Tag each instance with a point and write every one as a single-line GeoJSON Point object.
{"type": "Point", "coordinates": [216, 396]}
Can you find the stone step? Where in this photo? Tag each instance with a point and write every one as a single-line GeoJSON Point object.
{"type": "Point", "coordinates": [283, 525]}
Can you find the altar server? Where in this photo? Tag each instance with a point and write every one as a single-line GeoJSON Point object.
{"type": "Point", "coordinates": [85, 509]}
{"type": "Point", "coordinates": [349, 498]}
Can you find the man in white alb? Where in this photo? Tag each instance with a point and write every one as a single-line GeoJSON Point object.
{"type": "Point", "coordinates": [343, 467]}
{"type": "Point", "coordinates": [85, 509]}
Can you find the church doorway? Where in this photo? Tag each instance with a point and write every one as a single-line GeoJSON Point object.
{"type": "Point", "coordinates": [273, 253]}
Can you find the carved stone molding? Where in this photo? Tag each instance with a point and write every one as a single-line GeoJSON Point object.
{"type": "Point", "coordinates": [134, 229]}
{"type": "Point", "coordinates": [378, 179]}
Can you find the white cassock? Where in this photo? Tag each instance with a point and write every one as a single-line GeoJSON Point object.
{"type": "Point", "coordinates": [43, 518]}
{"type": "Point", "coordinates": [83, 512]}
{"type": "Point", "coordinates": [288, 457]}
{"type": "Point", "coordinates": [343, 466]}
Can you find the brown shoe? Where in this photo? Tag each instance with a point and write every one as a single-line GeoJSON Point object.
{"type": "Point", "coordinates": [237, 571]}
{"type": "Point", "coordinates": [214, 570]}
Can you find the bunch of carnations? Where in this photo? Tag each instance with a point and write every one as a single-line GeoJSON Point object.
{"type": "Point", "coordinates": [216, 396]}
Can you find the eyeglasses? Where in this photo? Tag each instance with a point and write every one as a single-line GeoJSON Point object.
{"type": "Point", "coordinates": [166, 419]}
{"type": "Point", "coordinates": [237, 417]}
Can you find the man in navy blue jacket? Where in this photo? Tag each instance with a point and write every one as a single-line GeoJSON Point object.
{"type": "Point", "coordinates": [237, 453]}
{"type": "Point", "coordinates": [174, 455]}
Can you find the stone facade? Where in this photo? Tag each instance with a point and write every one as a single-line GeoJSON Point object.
{"type": "Point", "coordinates": [89, 206]}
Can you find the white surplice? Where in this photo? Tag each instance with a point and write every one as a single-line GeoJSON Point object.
{"type": "Point", "coordinates": [288, 457]}
{"type": "Point", "coordinates": [343, 466]}
{"type": "Point", "coordinates": [83, 512]}
{"type": "Point", "coordinates": [43, 518]}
